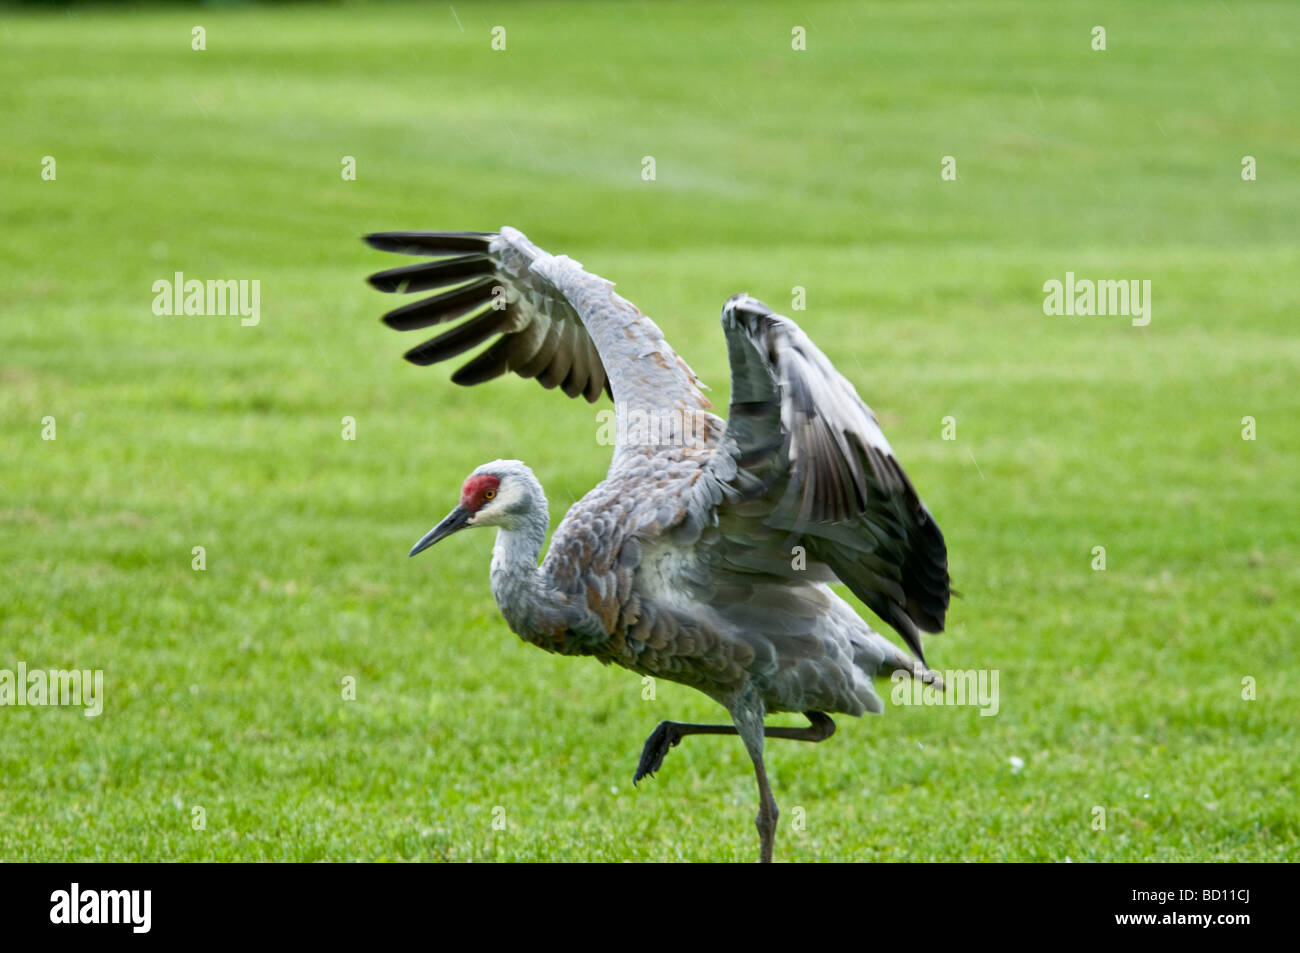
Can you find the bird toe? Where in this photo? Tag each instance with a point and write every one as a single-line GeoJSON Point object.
{"type": "Point", "coordinates": [656, 747]}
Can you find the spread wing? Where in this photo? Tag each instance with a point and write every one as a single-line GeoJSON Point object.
{"type": "Point", "coordinates": [546, 318]}
{"type": "Point", "coordinates": [804, 463]}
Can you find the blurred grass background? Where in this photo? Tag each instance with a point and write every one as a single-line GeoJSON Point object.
{"type": "Point", "coordinates": [1120, 689]}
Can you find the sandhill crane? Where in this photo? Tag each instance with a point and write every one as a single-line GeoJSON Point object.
{"type": "Point", "coordinates": [705, 555]}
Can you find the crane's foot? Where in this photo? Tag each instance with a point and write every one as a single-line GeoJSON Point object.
{"type": "Point", "coordinates": [666, 735]}
{"type": "Point", "coordinates": [670, 733]}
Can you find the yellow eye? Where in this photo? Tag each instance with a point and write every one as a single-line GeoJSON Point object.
{"type": "Point", "coordinates": [489, 494]}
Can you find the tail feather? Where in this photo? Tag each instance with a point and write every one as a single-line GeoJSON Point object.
{"type": "Point", "coordinates": [900, 661]}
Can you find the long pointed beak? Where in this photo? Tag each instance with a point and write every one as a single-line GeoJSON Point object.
{"type": "Point", "coordinates": [456, 519]}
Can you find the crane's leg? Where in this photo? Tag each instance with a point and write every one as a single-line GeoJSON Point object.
{"type": "Point", "coordinates": [767, 812]}
{"type": "Point", "coordinates": [668, 734]}
{"type": "Point", "coordinates": [749, 725]}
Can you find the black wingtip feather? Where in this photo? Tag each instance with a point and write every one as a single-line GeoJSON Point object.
{"type": "Point", "coordinates": [429, 243]}
{"type": "Point", "coordinates": [486, 366]}
{"type": "Point", "coordinates": [448, 306]}
{"type": "Point", "coordinates": [925, 574]}
{"type": "Point", "coordinates": [432, 274]}
{"type": "Point", "coordinates": [461, 338]}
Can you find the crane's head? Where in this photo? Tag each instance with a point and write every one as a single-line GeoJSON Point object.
{"type": "Point", "coordinates": [501, 493]}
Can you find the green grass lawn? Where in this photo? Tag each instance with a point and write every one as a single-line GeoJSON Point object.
{"type": "Point", "coordinates": [1120, 689]}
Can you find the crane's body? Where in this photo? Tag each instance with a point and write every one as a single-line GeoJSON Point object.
{"type": "Point", "coordinates": [705, 556]}
{"type": "Point", "coordinates": [625, 592]}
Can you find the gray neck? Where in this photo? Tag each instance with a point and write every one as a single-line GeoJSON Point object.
{"type": "Point", "coordinates": [518, 546]}
{"type": "Point", "coordinates": [536, 611]}
{"type": "Point", "coordinates": [516, 580]}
